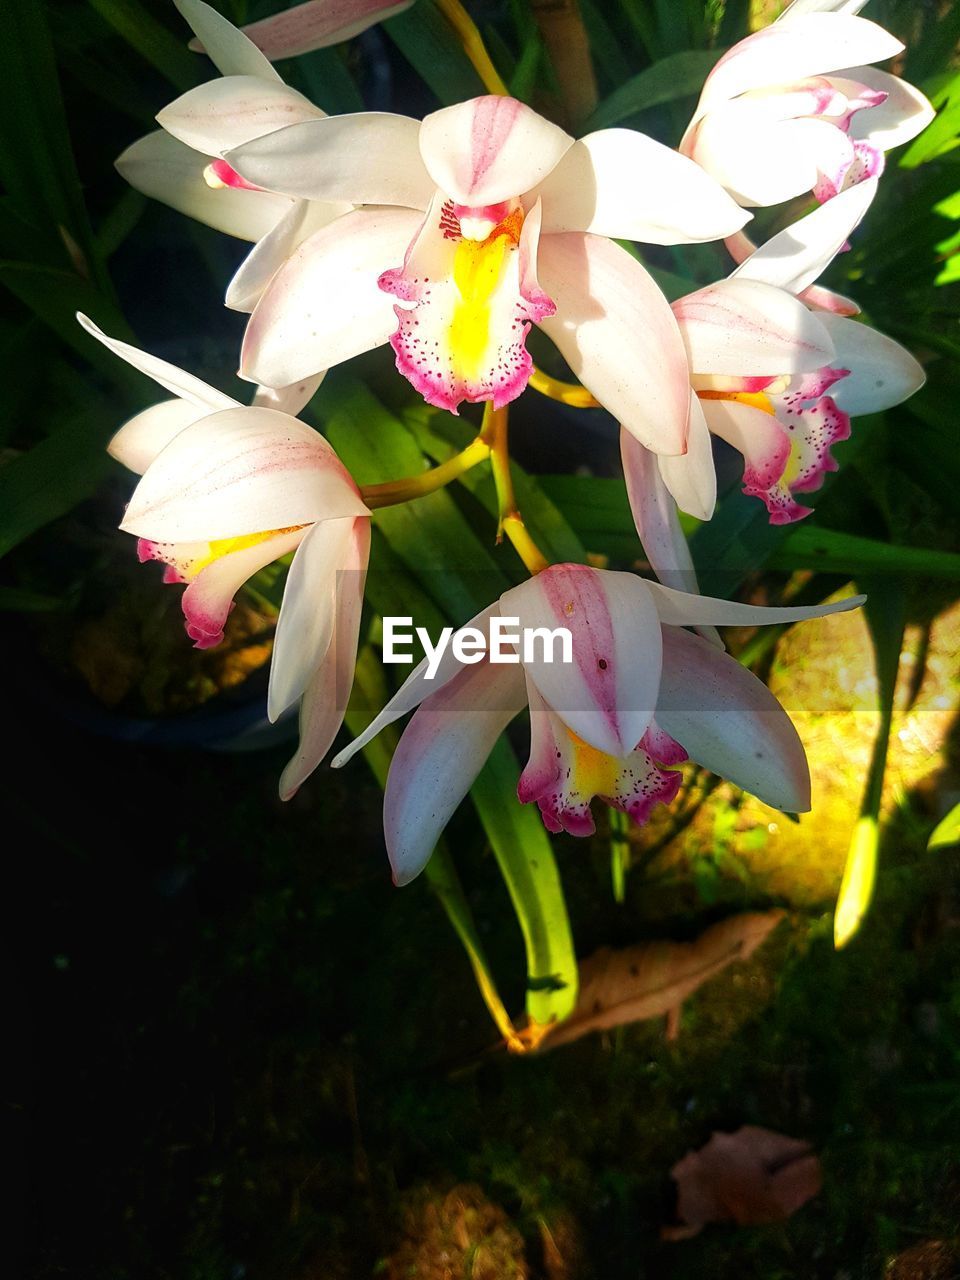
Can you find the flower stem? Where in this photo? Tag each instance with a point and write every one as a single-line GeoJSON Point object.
{"type": "Point", "coordinates": [396, 491]}
{"type": "Point", "coordinates": [473, 45]}
{"type": "Point", "coordinates": [570, 393]}
{"type": "Point", "coordinates": [510, 522]}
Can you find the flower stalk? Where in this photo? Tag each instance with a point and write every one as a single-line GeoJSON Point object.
{"type": "Point", "coordinates": [510, 522]}
{"type": "Point", "coordinates": [568, 393]}
{"type": "Point", "coordinates": [473, 45]}
{"type": "Point", "coordinates": [393, 492]}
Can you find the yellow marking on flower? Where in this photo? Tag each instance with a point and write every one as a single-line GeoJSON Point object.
{"type": "Point", "coordinates": [594, 772]}
{"type": "Point", "coordinates": [753, 399]}
{"type": "Point", "coordinates": [477, 271]}
{"type": "Point", "coordinates": [221, 547]}
{"type": "Point", "coordinates": [792, 467]}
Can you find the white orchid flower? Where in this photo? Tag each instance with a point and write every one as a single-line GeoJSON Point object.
{"type": "Point", "coordinates": [228, 488]}
{"type": "Point", "coordinates": [774, 379]}
{"type": "Point", "coordinates": [182, 163]}
{"type": "Point", "coordinates": [793, 108]}
{"type": "Point", "coordinates": [640, 695]}
{"type": "Point", "coordinates": [487, 218]}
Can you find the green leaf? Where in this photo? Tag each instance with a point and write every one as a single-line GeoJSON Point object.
{"type": "Point", "coordinates": [946, 833]}
{"type": "Point", "coordinates": [680, 75]}
{"type": "Point", "coordinates": [807, 547]}
{"type": "Point", "coordinates": [152, 40]}
{"type": "Point", "coordinates": [432, 48]}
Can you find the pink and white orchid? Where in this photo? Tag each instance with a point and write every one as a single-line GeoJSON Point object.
{"type": "Point", "coordinates": [228, 488]}
{"type": "Point", "coordinates": [640, 696]}
{"type": "Point", "coordinates": [487, 218]}
{"type": "Point", "coordinates": [793, 108]}
{"type": "Point", "coordinates": [182, 163]}
{"type": "Point", "coordinates": [777, 381]}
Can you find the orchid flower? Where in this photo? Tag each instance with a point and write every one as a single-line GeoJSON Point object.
{"type": "Point", "coordinates": [181, 164]}
{"type": "Point", "coordinates": [487, 219]}
{"type": "Point", "coordinates": [226, 489]}
{"type": "Point", "coordinates": [792, 109]}
{"type": "Point", "coordinates": [640, 696]}
{"type": "Point", "coordinates": [777, 381]}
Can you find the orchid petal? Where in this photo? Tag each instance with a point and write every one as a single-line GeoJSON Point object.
{"type": "Point", "coordinates": [230, 51]}
{"type": "Point", "coordinates": [681, 609]}
{"type": "Point", "coordinates": [288, 399]}
{"type": "Point", "coordinates": [729, 722]}
{"type": "Point", "coordinates": [225, 113]}
{"type": "Point", "coordinates": [439, 755]}
{"type": "Point", "coordinates": [184, 385]}
{"type": "Point", "coordinates": [307, 612]}
{"type": "Point", "coordinates": [607, 694]}
{"type": "Point", "coordinates": [239, 472]}
{"type": "Point", "coordinates": [741, 328]}
{"type": "Point", "coordinates": [208, 599]}
{"type": "Point", "coordinates": [268, 256]}
{"type": "Point", "coordinates": [616, 331]}
{"type": "Point", "coordinates": [797, 7]}
{"type": "Point", "coordinates": [655, 515]}
{"type": "Point", "coordinates": [319, 24]}
{"type": "Point", "coordinates": [417, 686]}
{"type": "Point", "coordinates": [806, 44]}
{"type": "Point", "coordinates": [760, 158]}
{"type": "Point", "coordinates": [169, 171]}
{"type": "Point", "coordinates": [882, 373]}
{"type": "Point", "coordinates": [324, 304]}
{"type": "Point", "coordinates": [325, 700]}
{"type": "Point", "coordinates": [904, 114]}
{"type": "Point", "coordinates": [139, 440]}
{"type": "Point", "coordinates": [371, 157]}
{"type": "Point", "coordinates": [489, 149]}
{"type": "Point", "coordinates": [795, 257]}
{"type": "Point", "coordinates": [620, 183]}
{"type": "Point", "coordinates": [692, 477]}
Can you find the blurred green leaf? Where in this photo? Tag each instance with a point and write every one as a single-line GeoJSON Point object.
{"type": "Point", "coordinates": [680, 75]}
{"type": "Point", "coordinates": [808, 547]}
{"type": "Point", "coordinates": [947, 832]}
{"type": "Point", "coordinates": [153, 41]}
{"type": "Point", "coordinates": [432, 48]}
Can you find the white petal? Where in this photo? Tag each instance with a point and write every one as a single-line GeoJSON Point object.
{"type": "Point", "coordinates": [268, 256]}
{"type": "Point", "coordinates": [308, 611]}
{"type": "Point", "coordinates": [882, 373]}
{"type": "Point", "coordinates": [692, 477]}
{"type": "Point", "coordinates": [169, 171]}
{"type": "Point", "coordinates": [760, 158]}
{"type": "Point", "coordinates": [324, 305]}
{"type": "Point", "coordinates": [489, 149]}
{"type": "Point", "coordinates": [439, 755]}
{"type": "Point", "coordinates": [227, 48]}
{"type": "Point", "coordinates": [796, 256]}
{"type": "Point", "coordinates": [655, 515]}
{"type": "Point", "coordinates": [729, 722]}
{"type": "Point", "coordinates": [208, 599]}
{"type": "Point", "coordinates": [607, 694]}
{"type": "Point", "coordinates": [620, 183]}
{"type": "Point", "coordinates": [225, 113]}
{"type": "Point", "coordinates": [414, 689]}
{"type": "Point", "coordinates": [325, 700]}
{"type": "Point", "coordinates": [239, 472]}
{"type": "Point", "coordinates": [680, 609]}
{"type": "Point", "coordinates": [618, 335]}
{"type": "Point", "coordinates": [319, 24]}
{"type": "Point", "coordinates": [743, 328]}
{"type": "Point", "coordinates": [289, 399]}
{"type": "Point", "coordinates": [184, 385]}
{"type": "Point", "coordinates": [810, 44]}
{"type": "Point", "coordinates": [794, 9]}
{"type": "Point", "coordinates": [372, 157]}
{"type": "Point", "coordinates": [138, 441]}
{"type": "Point", "coordinates": [905, 113]}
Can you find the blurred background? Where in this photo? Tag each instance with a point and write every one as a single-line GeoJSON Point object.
{"type": "Point", "coordinates": [248, 1055]}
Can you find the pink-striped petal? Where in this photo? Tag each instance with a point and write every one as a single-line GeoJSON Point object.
{"type": "Point", "coordinates": [139, 440]}
{"type": "Point", "coordinates": [318, 24]}
{"type": "Point", "coordinates": [729, 722]}
{"type": "Point", "coordinates": [325, 700]}
{"type": "Point", "coordinates": [223, 114]}
{"type": "Point", "coordinates": [439, 755]}
{"type": "Point", "coordinates": [489, 149]}
{"type": "Point", "coordinates": [324, 305]}
{"type": "Point", "coordinates": [372, 157]}
{"type": "Point", "coordinates": [240, 472]}
{"type": "Point", "coordinates": [622, 184]}
{"type": "Point", "coordinates": [616, 331]}
{"type": "Point", "coordinates": [164, 169]}
{"type": "Point", "coordinates": [607, 694]}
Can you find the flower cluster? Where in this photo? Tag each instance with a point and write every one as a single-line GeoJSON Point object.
{"type": "Point", "coordinates": [448, 238]}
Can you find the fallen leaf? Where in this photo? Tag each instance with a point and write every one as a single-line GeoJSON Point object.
{"type": "Point", "coordinates": [654, 978]}
{"type": "Point", "coordinates": [748, 1177]}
